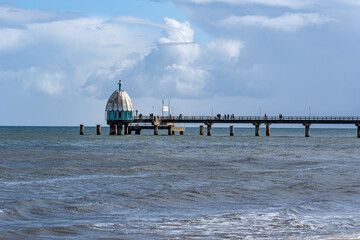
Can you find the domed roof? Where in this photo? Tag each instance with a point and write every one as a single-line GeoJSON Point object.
{"type": "Point", "coordinates": [119, 101]}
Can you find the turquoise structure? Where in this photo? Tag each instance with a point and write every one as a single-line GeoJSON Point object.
{"type": "Point", "coordinates": [119, 108]}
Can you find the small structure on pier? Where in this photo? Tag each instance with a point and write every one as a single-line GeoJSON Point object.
{"type": "Point", "coordinates": [119, 114]}
{"type": "Point", "coordinates": [119, 106]}
{"type": "Point", "coordinates": [119, 111]}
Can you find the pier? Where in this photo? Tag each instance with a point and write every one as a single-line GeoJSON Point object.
{"type": "Point", "coordinates": [168, 122]}
{"type": "Point", "coordinates": [123, 119]}
{"type": "Point", "coordinates": [209, 121]}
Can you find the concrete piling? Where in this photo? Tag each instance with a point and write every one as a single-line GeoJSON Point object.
{"type": "Point", "coordinates": [119, 129]}
{"type": "Point", "coordinates": [201, 130]}
{"type": "Point", "coordinates": [98, 130]}
{"type": "Point", "coordinates": [358, 130]}
{"type": "Point", "coordinates": [170, 130]}
{"type": "Point", "coordinates": [126, 129]}
{"type": "Point", "coordinates": [113, 130]}
{"type": "Point", "coordinates": [208, 126]}
{"type": "Point", "coordinates": [181, 132]}
{"type": "Point", "coordinates": [137, 132]}
{"type": "Point", "coordinates": [156, 130]}
{"type": "Point", "coordinates": [82, 131]}
{"type": "Point", "coordinates": [268, 129]}
{"type": "Point", "coordinates": [231, 130]}
{"type": "Point", "coordinates": [257, 129]}
{"type": "Point", "coordinates": [307, 130]}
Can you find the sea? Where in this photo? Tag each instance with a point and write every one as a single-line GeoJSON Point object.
{"type": "Point", "coordinates": [56, 184]}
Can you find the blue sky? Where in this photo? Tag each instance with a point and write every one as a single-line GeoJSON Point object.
{"type": "Point", "coordinates": [61, 60]}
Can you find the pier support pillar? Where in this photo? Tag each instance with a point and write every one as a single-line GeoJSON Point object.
{"type": "Point", "coordinates": [208, 126]}
{"type": "Point", "coordinates": [201, 130]}
{"type": "Point", "coordinates": [231, 130]}
{"type": "Point", "coordinates": [98, 129]}
{"type": "Point", "coordinates": [268, 129]}
{"type": "Point", "coordinates": [307, 129]}
{"type": "Point", "coordinates": [137, 131]}
{"type": "Point", "coordinates": [181, 132]}
{"type": "Point", "coordinates": [126, 129]}
{"type": "Point", "coordinates": [113, 130]}
{"type": "Point", "coordinates": [358, 130]}
{"type": "Point", "coordinates": [257, 129]}
{"type": "Point", "coordinates": [82, 131]}
{"type": "Point", "coordinates": [156, 130]}
{"type": "Point", "coordinates": [170, 130]}
{"type": "Point", "coordinates": [119, 130]}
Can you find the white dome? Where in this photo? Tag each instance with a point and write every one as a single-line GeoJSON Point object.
{"type": "Point", "coordinates": [119, 101]}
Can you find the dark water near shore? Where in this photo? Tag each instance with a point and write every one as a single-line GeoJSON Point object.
{"type": "Point", "coordinates": [59, 185]}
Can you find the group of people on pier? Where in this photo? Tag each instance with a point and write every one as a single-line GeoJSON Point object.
{"type": "Point", "coordinates": [232, 116]}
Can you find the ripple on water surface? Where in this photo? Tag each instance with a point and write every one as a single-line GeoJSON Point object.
{"type": "Point", "coordinates": [57, 184]}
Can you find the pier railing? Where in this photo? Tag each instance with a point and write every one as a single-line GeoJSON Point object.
{"type": "Point", "coordinates": [250, 118]}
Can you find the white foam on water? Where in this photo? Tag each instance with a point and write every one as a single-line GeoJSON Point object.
{"type": "Point", "coordinates": [269, 225]}
{"type": "Point", "coordinates": [103, 225]}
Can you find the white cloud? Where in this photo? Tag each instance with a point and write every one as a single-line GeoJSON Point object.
{"type": "Point", "coordinates": [56, 57]}
{"type": "Point", "coordinates": [188, 81]}
{"type": "Point", "coordinates": [289, 22]}
{"type": "Point", "coordinates": [36, 80]}
{"type": "Point", "coordinates": [11, 39]}
{"type": "Point", "coordinates": [49, 83]}
{"type": "Point", "coordinates": [132, 19]}
{"type": "Point", "coordinates": [353, 2]}
{"type": "Point", "coordinates": [223, 51]}
{"type": "Point", "coordinates": [177, 32]}
{"type": "Point", "coordinates": [177, 67]}
{"type": "Point", "coordinates": [18, 17]}
{"type": "Point", "coordinates": [275, 3]}
{"type": "Point", "coordinates": [101, 81]}
{"type": "Point", "coordinates": [294, 4]}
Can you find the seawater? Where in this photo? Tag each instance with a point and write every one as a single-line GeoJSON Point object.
{"type": "Point", "coordinates": [56, 184]}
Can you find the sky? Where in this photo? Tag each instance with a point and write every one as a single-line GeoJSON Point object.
{"type": "Point", "coordinates": [60, 60]}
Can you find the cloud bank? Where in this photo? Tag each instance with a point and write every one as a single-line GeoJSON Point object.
{"type": "Point", "coordinates": [276, 3]}
{"type": "Point", "coordinates": [290, 22]}
{"type": "Point", "coordinates": [17, 17]}
{"type": "Point", "coordinates": [53, 54]}
{"type": "Point", "coordinates": [176, 67]}
{"type": "Point", "coordinates": [292, 4]}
